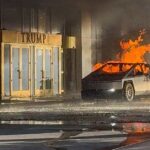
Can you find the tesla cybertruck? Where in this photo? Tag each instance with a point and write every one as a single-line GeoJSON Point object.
{"type": "Point", "coordinates": [117, 79]}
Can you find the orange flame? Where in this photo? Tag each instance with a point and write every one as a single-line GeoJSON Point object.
{"type": "Point", "coordinates": [97, 66]}
{"type": "Point", "coordinates": [132, 51]}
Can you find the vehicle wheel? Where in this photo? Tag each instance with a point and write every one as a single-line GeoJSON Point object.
{"type": "Point", "coordinates": [129, 92]}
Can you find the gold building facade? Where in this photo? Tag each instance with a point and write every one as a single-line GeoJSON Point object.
{"type": "Point", "coordinates": [31, 64]}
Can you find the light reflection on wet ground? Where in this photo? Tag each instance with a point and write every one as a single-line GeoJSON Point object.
{"type": "Point", "coordinates": [69, 137]}
{"type": "Point", "coordinates": [74, 119]}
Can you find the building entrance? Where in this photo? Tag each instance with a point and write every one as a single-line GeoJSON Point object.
{"type": "Point", "coordinates": [31, 70]}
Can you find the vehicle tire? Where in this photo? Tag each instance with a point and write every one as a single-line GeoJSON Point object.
{"type": "Point", "coordinates": [128, 92]}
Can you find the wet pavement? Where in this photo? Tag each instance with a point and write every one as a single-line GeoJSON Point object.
{"type": "Point", "coordinates": [51, 137]}
{"type": "Point", "coordinates": [74, 124]}
{"type": "Point", "coordinates": [76, 110]}
{"type": "Point", "coordinates": [31, 137]}
{"type": "Point", "coordinates": [47, 137]}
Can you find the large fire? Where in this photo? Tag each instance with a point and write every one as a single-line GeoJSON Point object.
{"type": "Point", "coordinates": [132, 51]}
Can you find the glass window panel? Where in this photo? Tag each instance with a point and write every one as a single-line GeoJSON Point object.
{"type": "Point", "coordinates": [6, 69]}
{"type": "Point", "coordinates": [56, 70]}
{"type": "Point", "coordinates": [25, 68]}
{"type": "Point", "coordinates": [39, 68]}
{"type": "Point", "coordinates": [47, 69]}
{"type": "Point", "coordinates": [15, 68]}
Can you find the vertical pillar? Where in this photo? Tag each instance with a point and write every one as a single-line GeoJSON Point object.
{"type": "Point", "coordinates": [86, 35]}
{"type": "Point", "coordinates": [1, 14]}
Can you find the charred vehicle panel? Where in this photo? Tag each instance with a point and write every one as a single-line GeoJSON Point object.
{"type": "Point", "coordinates": [117, 79]}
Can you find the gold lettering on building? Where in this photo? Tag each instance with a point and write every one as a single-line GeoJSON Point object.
{"type": "Point", "coordinates": [33, 37]}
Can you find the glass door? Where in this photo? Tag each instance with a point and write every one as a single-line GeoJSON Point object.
{"type": "Point", "coordinates": [31, 70]}
{"type": "Point", "coordinates": [48, 72]}
{"type": "Point", "coordinates": [56, 69]}
{"type": "Point", "coordinates": [43, 71]}
{"type": "Point", "coordinates": [39, 72]}
{"type": "Point", "coordinates": [20, 71]}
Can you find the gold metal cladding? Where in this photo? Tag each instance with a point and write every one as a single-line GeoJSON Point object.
{"type": "Point", "coordinates": [31, 41]}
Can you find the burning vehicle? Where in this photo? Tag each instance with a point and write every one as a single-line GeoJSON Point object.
{"type": "Point", "coordinates": [116, 78]}
{"type": "Point", "coordinates": [127, 76]}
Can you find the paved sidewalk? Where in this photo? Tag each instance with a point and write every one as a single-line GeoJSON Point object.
{"type": "Point", "coordinates": [73, 109]}
{"type": "Point", "coordinates": [57, 98]}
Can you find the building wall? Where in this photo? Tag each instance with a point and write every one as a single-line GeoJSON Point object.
{"type": "Point", "coordinates": [48, 16]}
